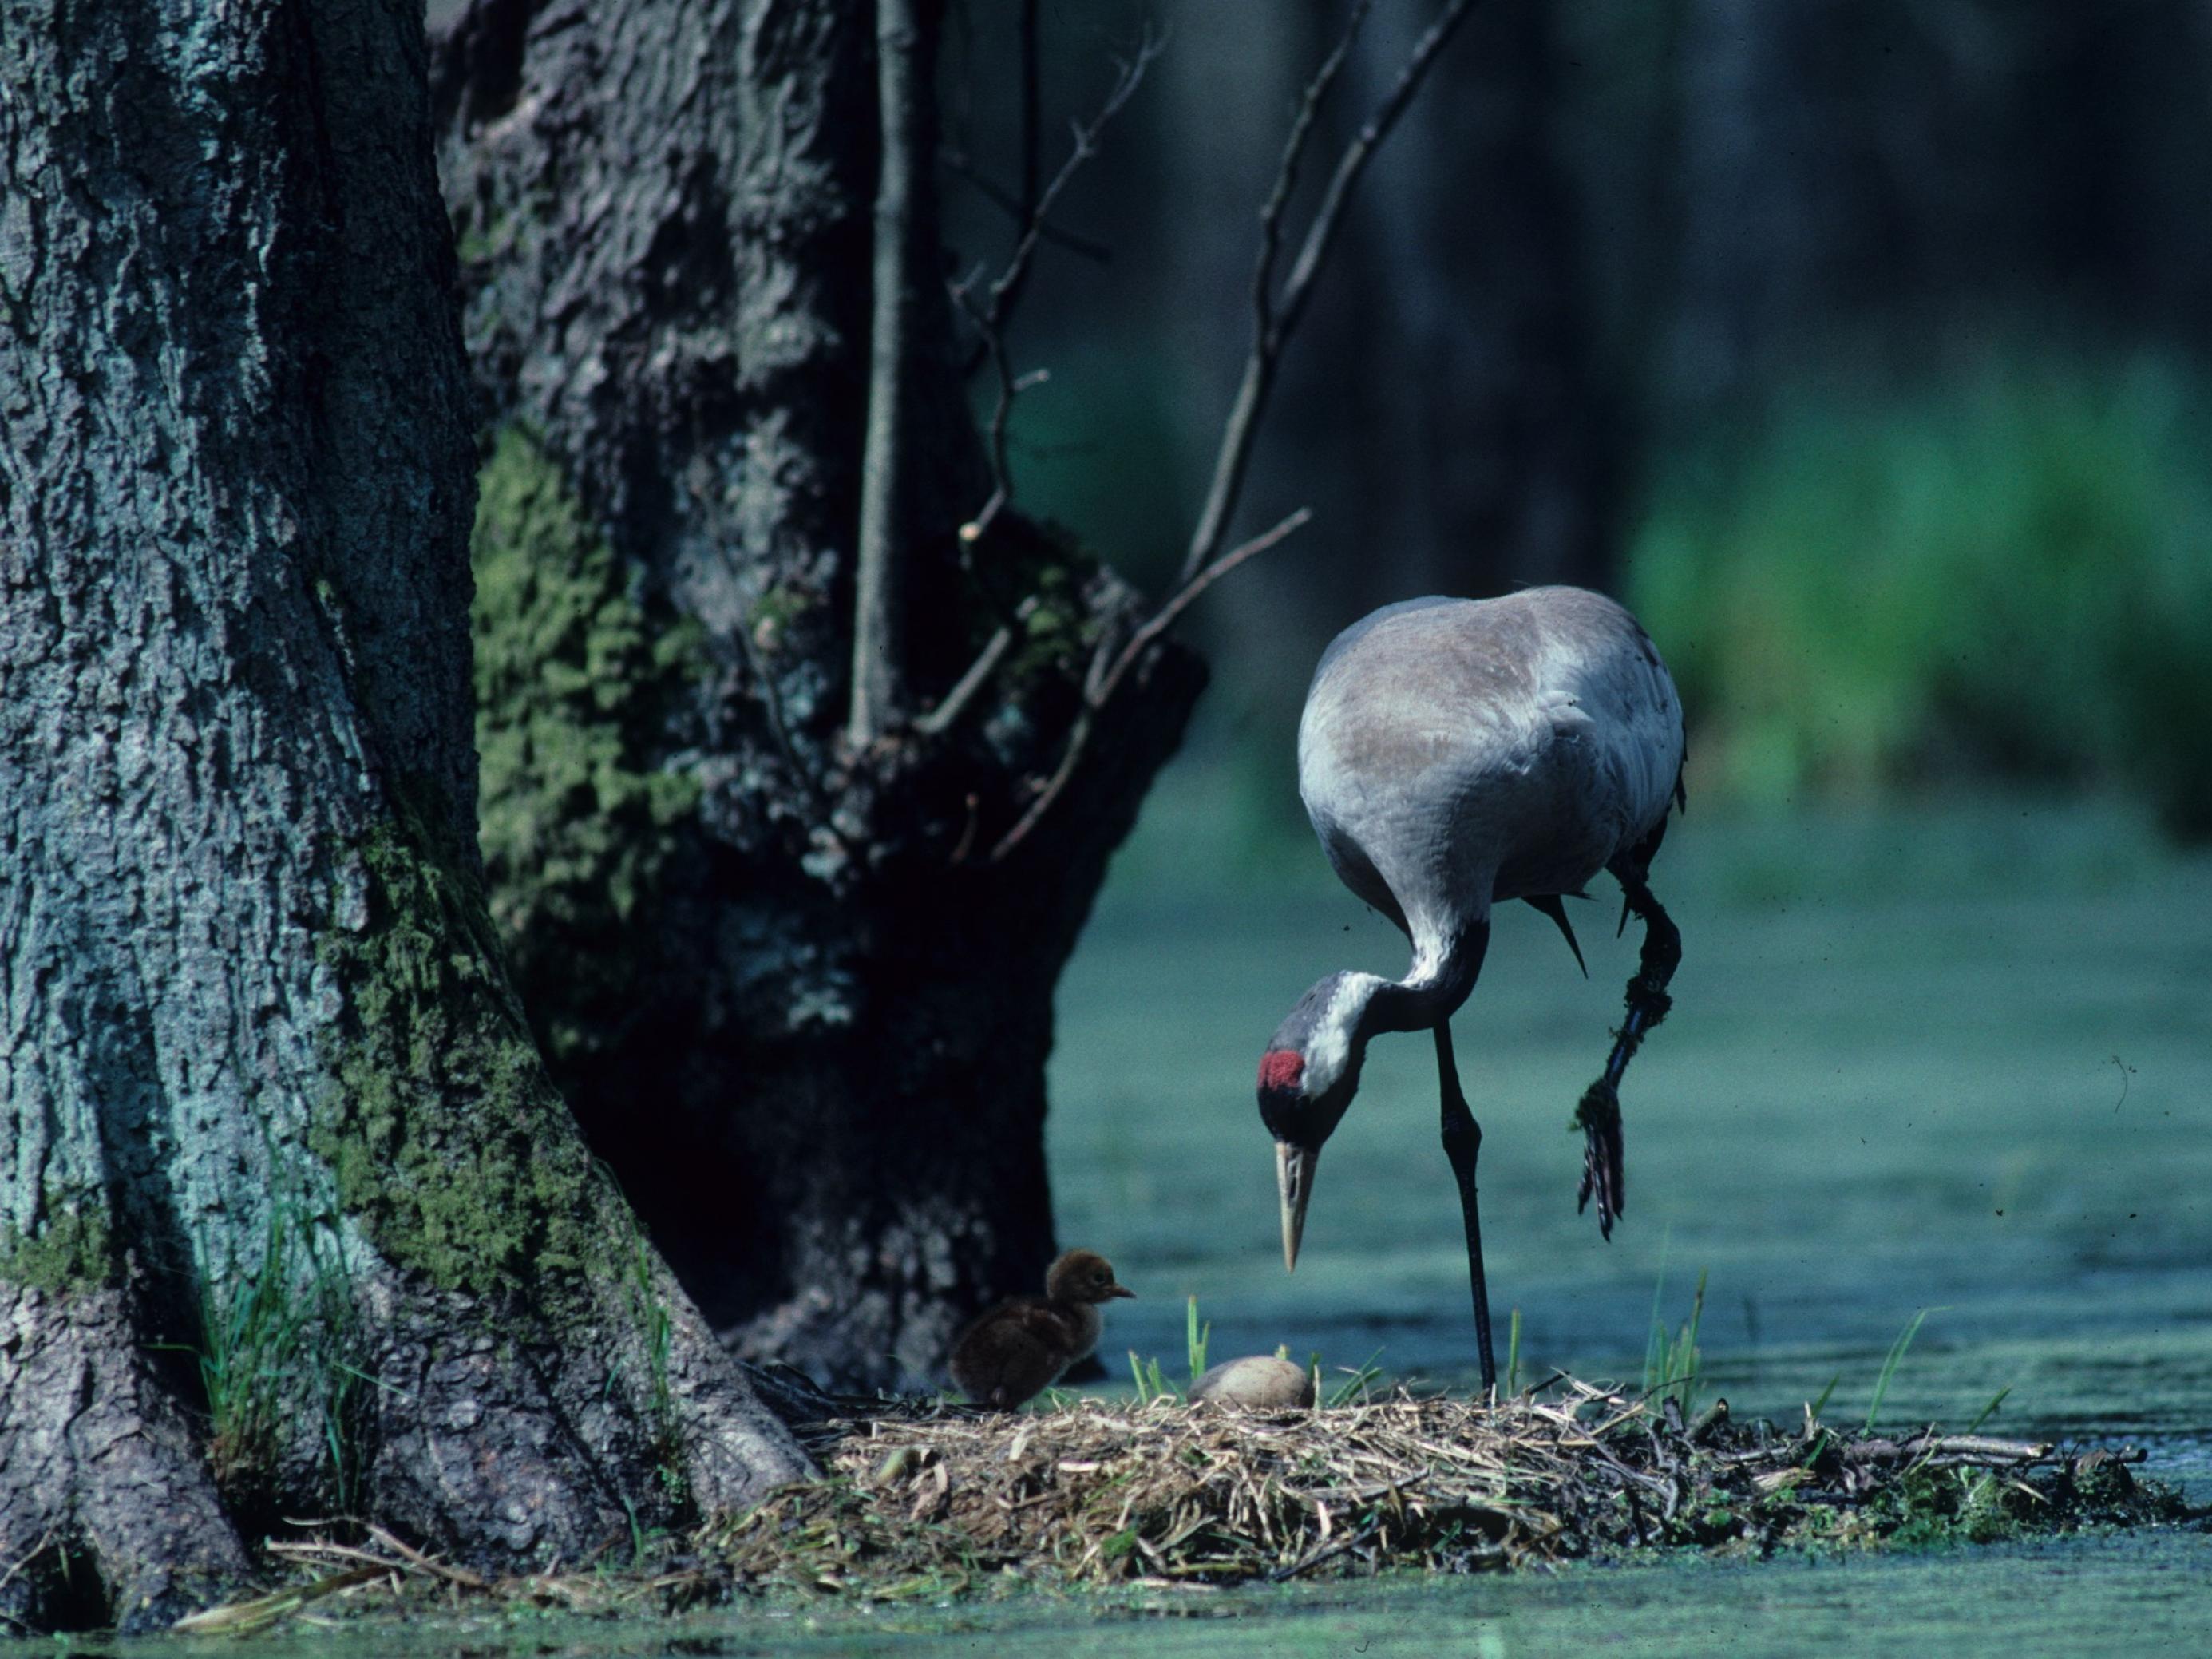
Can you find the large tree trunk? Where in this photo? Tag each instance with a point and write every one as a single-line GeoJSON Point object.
{"type": "Point", "coordinates": [799, 1005]}
{"type": "Point", "coordinates": [265, 1093]}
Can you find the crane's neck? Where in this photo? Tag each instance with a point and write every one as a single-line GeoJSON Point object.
{"type": "Point", "coordinates": [1323, 1042]}
{"type": "Point", "coordinates": [1443, 972]}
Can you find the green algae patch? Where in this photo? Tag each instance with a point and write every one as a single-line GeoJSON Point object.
{"type": "Point", "coordinates": [70, 1250]}
{"type": "Point", "coordinates": [575, 677]}
{"type": "Point", "coordinates": [446, 1138]}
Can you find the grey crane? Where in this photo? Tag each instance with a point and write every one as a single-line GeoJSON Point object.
{"type": "Point", "coordinates": [1455, 754]}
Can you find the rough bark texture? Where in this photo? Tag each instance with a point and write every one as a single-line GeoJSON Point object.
{"type": "Point", "coordinates": [266, 1094]}
{"type": "Point", "coordinates": [797, 1007]}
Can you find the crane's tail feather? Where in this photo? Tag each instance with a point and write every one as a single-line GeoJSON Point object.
{"type": "Point", "coordinates": [1550, 905]}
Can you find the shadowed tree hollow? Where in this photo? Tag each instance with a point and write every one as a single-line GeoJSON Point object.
{"type": "Point", "coordinates": [292, 1221]}
{"type": "Point", "coordinates": [788, 897]}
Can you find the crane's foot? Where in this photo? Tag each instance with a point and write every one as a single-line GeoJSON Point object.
{"type": "Point", "coordinates": [1599, 1118]}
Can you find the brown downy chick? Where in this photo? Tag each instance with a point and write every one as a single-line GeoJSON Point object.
{"type": "Point", "coordinates": [1018, 1349]}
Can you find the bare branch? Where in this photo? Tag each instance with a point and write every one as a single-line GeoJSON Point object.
{"type": "Point", "coordinates": [1078, 740]}
{"type": "Point", "coordinates": [1286, 172]}
{"type": "Point", "coordinates": [1103, 680]}
{"type": "Point", "coordinates": [1032, 110]}
{"type": "Point", "coordinates": [1355, 156]}
{"type": "Point", "coordinates": [879, 570]}
{"type": "Point", "coordinates": [1187, 594]}
{"type": "Point", "coordinates": [1086, 135]}
{"type": "Point", "coordinates": [965, 689]}
{"type": "Point", "coordinates": [990, 317]}
{"type": "Point", "coordinates": [1275, 316]}
{"type": "Point", "coordinates": [999, 197]}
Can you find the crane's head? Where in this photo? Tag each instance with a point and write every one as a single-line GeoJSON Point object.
{"type": "Point", "coordinates": [1307, 1080]}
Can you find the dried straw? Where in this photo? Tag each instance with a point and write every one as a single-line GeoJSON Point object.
{"type": "Point", "coordinates": [925, 1500]}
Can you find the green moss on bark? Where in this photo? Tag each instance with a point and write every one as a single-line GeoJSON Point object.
{"type": "Point", "coordinates": [70, 1250]}
{"type": "Point", "coordinates": [574, 679]}
{"type": "Point", "coordinates": [446, 1139]}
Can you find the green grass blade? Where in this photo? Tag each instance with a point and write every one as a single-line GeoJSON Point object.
{"type": "Point", "coordinates": [1655, 1344]}
{"type": "Point", "coordinates": [1685, 1364]}
{"type": "Point", "coordinates": [1197, 1339]}
{"type": "Point", "coordinates": [1355, 1384]}
{"type": "Point", "coordinates": [1820, 1405]}
{"type": "Point", "coordinates": [1672, 1364]}
{"type": "Point", "coordinates": [1513, 1356]}
{"type": "Point", "coordinates": [1990, 1410]}
{"type": "Point", "coordinates": [1897, 1351]}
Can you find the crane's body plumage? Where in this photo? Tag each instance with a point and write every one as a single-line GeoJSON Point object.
{"type": "Point", "coordinates": [1455, 754]}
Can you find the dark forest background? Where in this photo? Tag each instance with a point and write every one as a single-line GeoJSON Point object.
{"type": "Point", "coordinates": [1859, 343]}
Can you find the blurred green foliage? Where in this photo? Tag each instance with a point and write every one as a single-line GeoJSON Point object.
{"type": "Point", "coordinates": [2006, 574]}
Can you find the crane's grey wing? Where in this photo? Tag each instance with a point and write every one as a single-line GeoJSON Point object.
{"type": "Point", "coordinates": [1606, 688]}
{"type": "Point", "coordinates": [1349, 640]}
{"type": "Point", "coordinates": [1455, 750]}
{"type": "Point", "coordinates": [1416, 743]}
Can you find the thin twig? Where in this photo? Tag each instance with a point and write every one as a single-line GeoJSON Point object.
{"type": "Point", "coordinates": [990, 316]}
{"type": "Point", "coordinates": [1276, 317]}
{"type": "Point", "coordinates": [460, 1575]}
{"type": "Point", "coordinates": [1966, 1445]}
{"type": "Point", "coordinates": [1102, 682]}
{"type": "Point", "coordinates": [1078, 738]}
{"type": "Point", "coordinates": [26, 1558]}
{"type": "Point", "coordinates": [1284, 1575]}
{"type": "Point", "coordinates": [1187, 594]}
{"type": "Point", "coordinates": [1032, 111]}
{"type": "Point", "coordinates": [1286, 171]}
{"type": "Point", "coordinates": [999, 197]}
{"type": "Point", "coordinates": [966, 687]}
{"type": "Point", "coordinates": [1085, 134]}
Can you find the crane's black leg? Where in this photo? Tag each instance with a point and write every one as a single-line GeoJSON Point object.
{"type": "Point", "coordinates": [1598, 1115]}
{"type": "Point", "coordinates": [1463, 1138]}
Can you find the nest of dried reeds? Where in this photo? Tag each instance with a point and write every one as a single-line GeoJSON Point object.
{"type": "Point", "coordinates": [931, 1501]}
{"type": "Point", "coordinates": [925, 1500]}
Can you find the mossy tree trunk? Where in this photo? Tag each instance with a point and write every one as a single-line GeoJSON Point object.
{"type": "Point", "coordinates": [266, 1096]}
{"type": "Point", "coordinates": [799, 998]}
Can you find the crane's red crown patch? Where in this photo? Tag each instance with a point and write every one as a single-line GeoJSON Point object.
{"type": "Point", "coordinates": [1280, 1069]}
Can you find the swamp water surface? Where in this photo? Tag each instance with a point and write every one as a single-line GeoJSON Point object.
{"type": "Point", "coordinates": [1960, 1061]}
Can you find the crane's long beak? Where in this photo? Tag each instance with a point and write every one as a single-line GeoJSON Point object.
{"type": "Point", "coordinates": [1294, 1175]}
